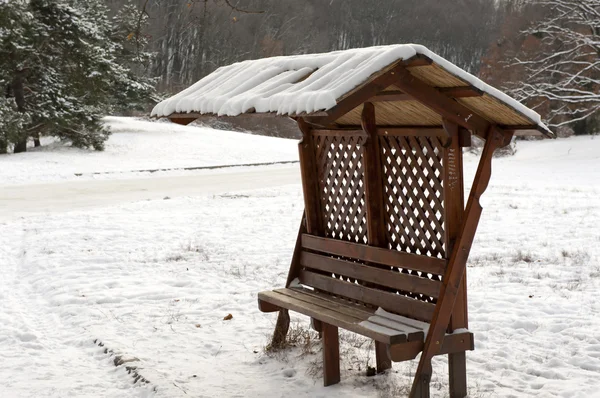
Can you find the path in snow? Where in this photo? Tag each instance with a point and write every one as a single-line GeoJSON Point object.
{"type": "Point", "coordinates": [23, 200]}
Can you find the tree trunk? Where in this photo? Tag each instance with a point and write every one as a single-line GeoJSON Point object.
{"type": "Point", "coordinates": [19, 93]}
{"type": "Point", "coordinates": [36, 141]}
{"type": "Point", "coordinates": [3, 146]}
{"type": "Point", "coordinates": [21, 146]}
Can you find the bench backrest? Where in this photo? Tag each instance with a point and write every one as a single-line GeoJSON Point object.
{"type": "Point", "coordinates": [395, 281]}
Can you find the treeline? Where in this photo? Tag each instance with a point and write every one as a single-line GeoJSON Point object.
{"type": "Point", "coordinates": [192, 38]}
{"type": "Point", "coordinates": [65, 63]}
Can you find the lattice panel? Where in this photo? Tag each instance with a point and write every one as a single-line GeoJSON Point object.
{"type": "Point", "coordinates": [414, 194]}
{"type": "Point", "coordinates": [340, 170]}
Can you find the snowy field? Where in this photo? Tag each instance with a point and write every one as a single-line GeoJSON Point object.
{"type": "Point", "coordinates": [152, 279]}
{"type": "Point", "coordinates": [143, 145]}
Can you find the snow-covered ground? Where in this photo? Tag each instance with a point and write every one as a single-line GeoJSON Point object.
{"type": "Point", "coordinates": [144, 145]}
{"type": "Point", "coordinates": [153, 280]}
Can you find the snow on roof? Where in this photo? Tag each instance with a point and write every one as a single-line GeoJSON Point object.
{"type": "Point", "coordinates": [291, 85]}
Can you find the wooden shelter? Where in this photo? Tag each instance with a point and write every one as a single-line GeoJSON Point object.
{"type": "Point", "coordinates": [385, 237]}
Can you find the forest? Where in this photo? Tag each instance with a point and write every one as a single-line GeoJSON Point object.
{"type": "Point", "coordinates": [542, 52]}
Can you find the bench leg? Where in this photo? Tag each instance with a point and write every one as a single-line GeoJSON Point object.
{"type": "Point", "coordinates": [457, 370]}
{"type": "Point", "coordinates": [317, 326]}
{"type": "Point", "coordinates": [281, 329]}
{"type": "Point", "coordinates": [420, 388]}
{"type": "Point", "coordinates": [382, 357]}
{"type": "Point", "coordinates": [331, 355]}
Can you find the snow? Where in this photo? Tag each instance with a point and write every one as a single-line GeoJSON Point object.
{"type": "Point", "coordinates": [143, 145]}
{"type": "Point", "coordinates": [153, 279]}
{"type": "Point", "coordinates": [275, 84]}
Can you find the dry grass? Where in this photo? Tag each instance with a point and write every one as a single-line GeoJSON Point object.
{"type": "Point", "coordinates": [298, 336]}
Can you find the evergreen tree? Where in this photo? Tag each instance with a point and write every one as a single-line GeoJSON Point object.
{"type": "Point", "coordinates": [60, 62]}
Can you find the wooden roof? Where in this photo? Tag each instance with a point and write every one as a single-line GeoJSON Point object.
{"type": "Point", "coordinates": [418, 91]}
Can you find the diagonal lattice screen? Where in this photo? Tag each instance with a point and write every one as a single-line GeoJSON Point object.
{"type": "Point", "coordinates": [340, 169]}
{"type": "Point", "coordinates": [414, 194]}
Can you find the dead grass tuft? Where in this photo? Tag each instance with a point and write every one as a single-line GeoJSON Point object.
{"type": "Point", "coordinates": [522, 256]}
{"type": "Point", "coordinates": [298, 336]}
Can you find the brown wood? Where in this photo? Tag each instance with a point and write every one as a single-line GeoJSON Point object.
{"type": "Point", "coordinates": [317, 326]}
{"type": "Point", "coordinates": [464, 138]}
{"type": "Point", "coordinates": [386, 224]}
{"type": "Point", "coordinates": [309, 179]}
{"type": "Point", "coordinates": [373, 180]}
{"type": "Point", "coordinates": [339, 132]}
{"type": "Point", "coordinates": [184, 121]}
{"type": "Point", "coordinates": [331, 355]}
{"type": "Point", "coordinates": [323, 299]}
{"type": "Point", "coordinates": [265, 306]}
{"type": "Point", "coordinates": [403, 305]}
{"type": "Point", "coordinates": [366, 253]}
{"type": "Point", "coordinates": [339, 315]}
{"type": "Point", "coordinates": [375, 212]}
{"type": "Point", "coordinates": [454, 199]}
{"type": "Point", "coordinates": [441, 104]}
{"type": "Point", "coordinates": [415, 193]}
{"type": "Point", "coordinates": [281, 328]}
{"type": "Point", "coordinates": [453, 92]}
{"type": "Point", "coordinates": [408, 131]}
{"type": "Point", "coordinates": [373, 275]}
{"type": "Point", "coordinates": [424, 131]}
{"type": "Point", "coordinates": [362, 94]}
{"type": "Point", "coordinates": [295, 264]}
{"type": "Point", "coordinates": [461, 92]}
{"type": "Point", "coordinates": [392, 95]}
{"type": "Point", "coordinates": [383, 359]}
{"type": "Point", "coordinates": [452, 343]}
{"type": "Point", "coordinates": [456, 267]}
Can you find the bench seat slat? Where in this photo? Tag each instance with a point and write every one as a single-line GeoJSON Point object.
{"type": "Point", "coordinates": [412, 333]}
{"type": "Point", "coordinates": [356, 310]}
{"type": "Point", "coordinates": [387, 278]}
{"type": "Point", "coordinates": [377, 255]}
{"type": "Point", "coordinates": [406, 306]}
{"type": "Point", "coordinates": [319, 310]}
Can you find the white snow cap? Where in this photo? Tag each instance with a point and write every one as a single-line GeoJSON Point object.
{"type": "Point", "coordinates": [275, 84]}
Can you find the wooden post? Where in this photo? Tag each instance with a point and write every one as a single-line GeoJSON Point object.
{"type": "Point", "coordinates": [310, 221]}
{"type": "Point", "coordinates": [375, 210]}
{"type": "Point", "coordinates": [456, 266]}
{"type": "Point", "coordinates": [283, 319]}
{"type": "Point", "coordinates": [310, 180]}
{"type": "Point", "coordinates": [454, 209]}
{"type": "Point", "coordinates": [331, 355]}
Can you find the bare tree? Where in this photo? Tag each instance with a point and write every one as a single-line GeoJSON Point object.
{"type": "Point", "coordinates": [563, 77]}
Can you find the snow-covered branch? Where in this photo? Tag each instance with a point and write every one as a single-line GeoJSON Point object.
{"type": "Point", "coordinates": [565, 73]}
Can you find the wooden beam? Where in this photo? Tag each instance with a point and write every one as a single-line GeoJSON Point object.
{"type": "Point", "coordinates": [376, 228]}
{"type": "Point", "coordinates": [440, 103]}
{"type": "Point", "coordinates": [394, 95]}
{"type": "Point", "coordinates": [457, 264]}
{"type": "Point", "coordinates": [363, 93]}
{"type": "Point", "coordinates": [360, 95]}
{"type": "Point", "coordinates": [417, 131]}
{"type": "Point", "coordinates": [528, 130]}
{"type": "Point", "coordinates": [453, 343]}
{"type": "Point", "coordinates": [453, 92]}
{"type": "Point", "coordinates": [461, 92]}
{"type": "Point", "coordinates": [376, 220]}
{"type": "Point", "coordinates": [454, 207]}
{"type": "Point", "coordinates": [424, 131]}
{"type": "Point", "coordinates": [392, 258]}
{"type": "Point", "coordinates": [310, 180]}
{"type": "Point", "coordinates": [331, 355]}
{"type": "Point", "coordinates": [184, 121]}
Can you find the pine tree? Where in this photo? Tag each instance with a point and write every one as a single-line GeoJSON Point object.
{"type": "Point", "coordinates": [131, 43]}
{"type": "Point", "coordinates": [60, 63]}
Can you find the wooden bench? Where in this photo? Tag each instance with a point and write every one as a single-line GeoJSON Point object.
{"type": "Point", "coordinates": [358, 288]}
